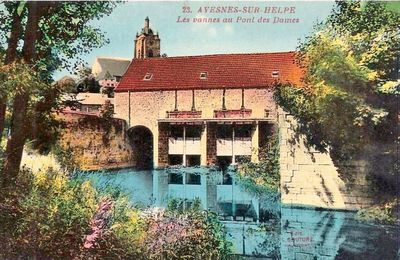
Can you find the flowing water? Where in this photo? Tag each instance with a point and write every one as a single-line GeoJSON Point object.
{"type": "Point", "coordinates": [293, 233]}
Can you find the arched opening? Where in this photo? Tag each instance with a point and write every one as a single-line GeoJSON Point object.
{"type": "Point", "coordinates": [141, 140]}
{"type": "Point", "coordinates": [150, 53]}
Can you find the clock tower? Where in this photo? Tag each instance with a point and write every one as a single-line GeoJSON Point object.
{"type": "Point", "coordinates": [147, 43]}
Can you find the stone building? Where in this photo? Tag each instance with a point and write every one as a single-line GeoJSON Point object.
{"type": "Point", "coordinates": [202, 110]}
{"type": "Point", "coordinates": [92, 102]}
{"type": "Point", "coordinates": [108, 72]}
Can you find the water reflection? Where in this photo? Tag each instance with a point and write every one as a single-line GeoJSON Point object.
{"type": "Point", "coordinates": [138, 184]}
{"type": "Point", "coordinates": [311, 234]}
{"type": "Point", "coordinates": [277, 232]}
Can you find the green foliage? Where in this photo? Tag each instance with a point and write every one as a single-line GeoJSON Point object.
{"type": "Point", "coordinates": [67, 33]}
{"type": "Point", "coordinates": [178, 205]}
{"type": "Point", "coordinates": [107, 110]}
{"type": "Point", "coordinates": [44, 127]}
{"type": "Point", "coordinates": [53, 215]}
{"type": "Point", "coordinates": [65, 157]}
{"type": "Point", "coordinates": [67, 85]}
{"type": "Point", "coordinates": [381, 214]}
{"type": "Point", "coordinates": [372, 32]}
{"type": "Point", "coordinates": [86, 80]}
{"type": "Point", "coordinates": [20, 77]}
{"type": "Point", "coordinates": [264, 176]}
{"type": "Point", "coordinates": [51, 33]}
{"type": "Point", "coordinates": [347, 105]}
{"type": "Point", "coordinates": [186, 233]}
{"type": "Point", "coordinates": [41, 127]}
{"type": "Point", "coordinates": [303, 107]}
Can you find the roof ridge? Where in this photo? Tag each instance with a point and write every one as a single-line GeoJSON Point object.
{"type": "Point", "coordinates": [217, 54]}
{"type": "Point", "coordinates": [113, 58]}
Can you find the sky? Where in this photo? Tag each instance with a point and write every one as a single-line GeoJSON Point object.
{"type": "Point", "coordinates": [192, 38]}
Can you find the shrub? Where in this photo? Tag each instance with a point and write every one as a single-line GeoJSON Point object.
{"type": "Point", "coordinates": [53, 215]}
{"type": "Point", "coordinates": [264, 176]}
{"type": "Point", "coordinates": [381, 214]}
{"type": "Point", "coordinates": [188, 234]}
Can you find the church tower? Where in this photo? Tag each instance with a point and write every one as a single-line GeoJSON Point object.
{"type": "Point", "coordinates": [147, 43]}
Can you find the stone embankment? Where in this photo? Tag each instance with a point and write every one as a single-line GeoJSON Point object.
{"type": "Point", "coordinates": [95, 143]}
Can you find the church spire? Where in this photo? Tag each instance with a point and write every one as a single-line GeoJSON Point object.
{"type": "Point", "coordinates": [147, 43]}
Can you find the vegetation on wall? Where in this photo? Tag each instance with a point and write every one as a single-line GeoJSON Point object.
{"type": "Point", "coordinates": [264, 176]}
{"type": "Point", "coordinates": [348, 104]}
{"type": "Point", "coordinates": [104, 124]}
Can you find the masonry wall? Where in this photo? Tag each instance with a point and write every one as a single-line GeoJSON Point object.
{"type": "Point", "coordinates": [309, 177]}
{"type": "Point", "coordinates": [148, 106]}
{"type": "Point", "coordinates": [211, 144]}
{"type": "Point", "coordinates": [94, 146]}
{"type": "Point", "coordinates": [163, 135]}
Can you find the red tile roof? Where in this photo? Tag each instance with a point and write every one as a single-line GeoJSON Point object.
{"type": "Point", "coordinates": [223, 71]}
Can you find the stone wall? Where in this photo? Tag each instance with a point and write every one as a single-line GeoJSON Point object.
{"type": "Point", "coordinates": [91, 146]}
{"type": "Point", "coordinates": [163, 145]}
{"type": "Point", "coordinates": [309, 177]}
{"type": "Point", "coordinates": [211, 144]}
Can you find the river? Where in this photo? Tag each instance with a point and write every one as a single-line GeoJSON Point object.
{"type": "Point", "coordinates": [296, 233]}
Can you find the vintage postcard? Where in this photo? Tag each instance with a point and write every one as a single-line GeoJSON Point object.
{"type": "Point", "coordinates": [199, 130]}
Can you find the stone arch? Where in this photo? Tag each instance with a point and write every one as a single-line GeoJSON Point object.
{"type": "Point", "coordinates": [141, 139]}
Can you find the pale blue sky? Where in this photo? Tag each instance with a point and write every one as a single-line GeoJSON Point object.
{"type": "Point", "coordinates": [179, 39]}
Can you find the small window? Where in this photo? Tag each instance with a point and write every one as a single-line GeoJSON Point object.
{"type": "Point", "coordinates": [275, 73]}
{"type": "Point", "coordinates": [148, 76]}
{"type": "Point", "coordinates": [203, 75]}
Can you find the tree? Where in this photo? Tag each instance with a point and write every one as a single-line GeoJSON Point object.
{"type": "Point", "coordinates": [12, 22]}
{"type": "Point", "coordinates": [87, 81]}
{"type": "Point", "coordinates": [53, 33]}
{"type": "Point", "coordinates": [348, 104]}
